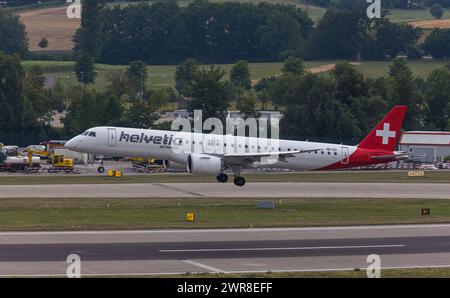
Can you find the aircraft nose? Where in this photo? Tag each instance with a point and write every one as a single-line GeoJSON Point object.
{"type": "Point", "coordinates": [72, 143]}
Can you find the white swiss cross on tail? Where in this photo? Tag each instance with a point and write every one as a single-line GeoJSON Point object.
{"type": "Point", "coordinates": [386, 133]}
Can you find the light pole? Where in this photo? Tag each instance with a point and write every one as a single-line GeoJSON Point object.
{"type": "Point", "coordinates": [142, 85]}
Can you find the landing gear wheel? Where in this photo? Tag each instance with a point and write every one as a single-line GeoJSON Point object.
{"type": "Point", "coordinates": [222, 178]}
{"type": "Point", "coordinates": [101, 169]}
{"type": "Point", "coordinates": [239, 181]}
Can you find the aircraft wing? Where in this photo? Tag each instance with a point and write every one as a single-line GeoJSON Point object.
{"type": "Point", "coordinates": [239, 158]}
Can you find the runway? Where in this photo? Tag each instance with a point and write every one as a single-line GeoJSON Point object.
{"type": "Point", "coordinates": [218, 190]}
{"type": "Point", "coordinates": [162, 252]}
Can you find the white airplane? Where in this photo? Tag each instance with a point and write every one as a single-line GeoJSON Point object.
{"type": "Point", "coordinates": [215, 154]}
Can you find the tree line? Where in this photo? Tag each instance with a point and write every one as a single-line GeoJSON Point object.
{"type": "Point", "coordinates": [26, 106]}
{"type": "Point", "coordinates": [164, 33]}
{"type": "Point", "coordinates": [341, 106]}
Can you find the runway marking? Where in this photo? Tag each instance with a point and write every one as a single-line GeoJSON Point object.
{"type": "Point", "coordinates": [210, 268]}
{"type": "Point", "coordinates": [195, 194]}
{"type": "Point", "coordinates": [251, 230]}
{"type": "Point", "coordinates": [279, 248]}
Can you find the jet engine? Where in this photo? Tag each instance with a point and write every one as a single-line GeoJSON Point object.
{"type": "Point", "coordinates": [204, 164]}
{"type": "Point", "coordinates": [174, 166]}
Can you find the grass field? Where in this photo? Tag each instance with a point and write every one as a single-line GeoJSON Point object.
{"type": "Point", "coordinates": [163, 75]}
{"type": "Point", "coordinates": [157, 213]}
{"type": "Point", "coordinates": [385, 273]}
{"type": "Point", "coordinates": [158, 75]}
{"type": "Point", "coordinates": [342, 177]}
{"type": "Point", "coordinates": [421, 68]}
{"type": "Point", "coordinates": [410, 15]}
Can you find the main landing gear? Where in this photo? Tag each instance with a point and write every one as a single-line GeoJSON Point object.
{"type": "Point", "coordinates": [222, 178]}
{"type": "Point", "coordinates": [238, 180]}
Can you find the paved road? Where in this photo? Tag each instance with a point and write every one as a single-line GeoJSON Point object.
{"type": "Point", "coordinates": [230, 250]}
{"type": "Point", "coordinates": [255, 190]}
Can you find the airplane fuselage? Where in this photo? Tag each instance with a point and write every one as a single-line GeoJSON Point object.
{"type": "Point", "coordinates": [177, 146]}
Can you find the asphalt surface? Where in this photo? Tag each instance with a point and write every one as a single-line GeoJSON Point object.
{"type": "Point", "coordinates": [230, 250]}
{"type": "Point", "coordinates": [254, 190]}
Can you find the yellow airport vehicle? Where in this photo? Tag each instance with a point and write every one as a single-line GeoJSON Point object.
{"type": "Point", "coordinates": [58, 162]}
{"type": "Point", "coordinates": [115, 173]}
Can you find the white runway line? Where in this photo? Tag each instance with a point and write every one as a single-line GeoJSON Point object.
{"type": "Point", "coordinates": [200, 265]}
{"type": "Point", "coordinates": [279, 248]}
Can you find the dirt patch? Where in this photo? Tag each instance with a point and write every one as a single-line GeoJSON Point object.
{"type": "Point", "coordinates": [316, 70]}
{"type": "Point", "coordinates": [430, 24]}
{"type": "Point", "coordinates": [51, 23]}
{"type": "Point", "coordinates": [321, 69]}
{"type": "Point", "coordinates": [326, 67]}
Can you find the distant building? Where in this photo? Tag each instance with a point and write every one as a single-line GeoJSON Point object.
{"type": "Point", "coordinates": [181, 114]}
{"type": "Point", "coordinates": [426, 146]}
{"type": "Point", "coordinates": [270, 115]}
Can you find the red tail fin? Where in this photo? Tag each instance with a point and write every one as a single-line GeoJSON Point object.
{"type": "Point", "coordinates": [385, 135]}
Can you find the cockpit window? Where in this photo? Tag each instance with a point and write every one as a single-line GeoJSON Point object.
{"type": "Point", "coordinates": [92, 134]}
{"type": "Point", "coordinates": [85, 133]}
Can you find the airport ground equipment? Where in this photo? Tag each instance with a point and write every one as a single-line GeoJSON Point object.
{"type": "Point", "coordinates": [115, 173]}
{"type": "Point", "coordinates": [10, 150]}
{"type": "Point", "coordinates": [144, 165]}
{"type": "Point", "coordinates": [19, 163]}
{"type": "Point", "coordinates": [2, 161]}
{"type": "Point", "coordinates": [58, 162]}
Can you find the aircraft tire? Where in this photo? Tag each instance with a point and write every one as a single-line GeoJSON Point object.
{"type": "Point", "coordinates": [239, 181]}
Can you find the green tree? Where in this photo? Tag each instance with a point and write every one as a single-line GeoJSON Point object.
{"type": "Point", "coordinates": [438, 98]}
{"type": "Point", "coordinates": [140, 115]}
{"type": "Point", "coordinates": [246, 103]}
{"type": "Point", "coordinates": [89, 40]}
{"type": "Point", "coordinates": [13, 37]}
{"type": "Point", "coordinates": [349, 82]}
{"type": "Point", "coordinates": [339, 34]}
{"type": "Point", "coordinates": [210, 93]}
{"type": "Point", "coordinates": [293, 66]}
{"type": "Point", "coordinates": [436, 10]}
{"type": "Point", "coordinates": [240, 75]}
{"type": "Point", "coordinates": [90, 37]}
{"type": "Point", "coordinates": [92, 109]}
{"type": "Point", "coordinates": [280, 34]}
{"type": "Point", "coordinates": [58, 94]}
{"type": "Point", "coordinates": [137, 74]}
{"type": "Point", "coordinates": [392, 38]}
{"type": "Point", "coordinates": [403, 91]}
{"type": "Point", "coordinates": [85, 69]}
{"type": "Point", "coordinates": [12, 111]}
{"type": "Point", "coordinates": [184, 74]}
{"type": "Point", "coordinates": [36, 95]}
{"type": "Point", "coordinates": [119, 85]}
{"type": "Point", "coordinates": [43, 43]}
{"type": "Point", "coordinates": [437, 43]}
